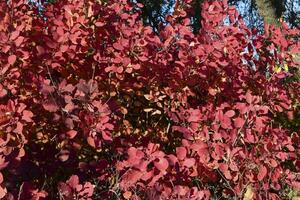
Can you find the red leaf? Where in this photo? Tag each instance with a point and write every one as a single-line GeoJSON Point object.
{"type": "Point", "coordinates": [143, 58]}
{"type": "Point", "coordinates": [50, 106]}
{"type": "Point", "coordinates": [40, 50]}
{"type": "Point", "coordinates": [69, 123]}
{"type": "Point", "coordinates": [195, 115]}
{"type": "Point", "coordinates": [223, 63]}
{"type": "Point", "coordinates": [65, 189]}
{"type": "Point", "coordinates": [147, 175]}
{"type": "Point", "coordinates": [290, 147]}
{"type": "Point", "coordinates": [262, 173]}
{"type": "Point", "coordinates": [224, 169]}
{"type": "Point", "coordinates": [73, 181]}
{"type": "Point", "coordinates": [71, 134]}
{"type": "Point", "coordinates": [212, 91]}
{"type": "Point", "coordinates": [3, 192]}
{"type": "Point", "coordinates": [19, 41]}
{"type": "Point", "coordinates": [27, 115]}
{"type": "Point", "coordinates": [225, 122]}
{"type": "Point", "coordinates": [3, 92]}
{"type": "Point", "coordinates": [69, 107]}
{"type": "Point", "coordinates": [172, 159]}
{"type": "Point", "coordinates": [296, 185]}
{"type": "Point", "coordinates": [60, 31]}
{"type": "Point", "coordinates": [189, 162]}
{"type": "Point", "coordinates": [19, 128]}
{"type": "Point", "coordinates": [11, 59]}
{"type": "Point", "coordinates": [88, 190]}
{"type": "Point", "coordinates": [118, 46]}
{"type": "Point", "coordinates": [127, 195]}
{"type": "Point", "coordinates": [14, 35]}
{"type": "Point", "coordinates": [250, 137]}
{"type": "Point", "coordinates": [249, 97]}
{"type": "Point", "coordinates": [64, 155]}
{"type": "Point", "coordinates": [161, 164]}
{"type": "Point", "coordinates": [233, 166]}
{"type": "Point", "coordinates": [181, 153]}
{"type": "Point", "coordinates": [64, 48]}
{"type": "Point", "coordinates": [239, 122]}
{"type": "Point", "coordinates": [106, 136]}
{"type": "Point", "coordinates": [99, 24]}
{"type": "Point", "coordinates": [91, 141]}
{"type": "Point", "coordinates": [120, 70]}
{"type": "Point", "coordinates": [273, 163]}
{"type": "Point", "coordinates": [259, 123]}
{"type": "Point", "coordinates": [230, 113]}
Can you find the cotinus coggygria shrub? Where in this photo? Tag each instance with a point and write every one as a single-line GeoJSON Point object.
{"type": "Point", "coordinates": [95, 105]}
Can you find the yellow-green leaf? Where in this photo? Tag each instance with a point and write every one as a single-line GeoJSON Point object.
{"type": "Point", "coordinates": [277, 69]}
{"type": "Point", "coordinates": [286, 67]}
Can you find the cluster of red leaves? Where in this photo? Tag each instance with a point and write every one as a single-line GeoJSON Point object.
{"type": "Point", "coordinates": [87, 89]}
{"type": "Point", "coordinates": [73, 190]}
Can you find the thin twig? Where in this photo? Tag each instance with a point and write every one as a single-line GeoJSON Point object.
{"type": "Point", "coordinates": [20, 191]}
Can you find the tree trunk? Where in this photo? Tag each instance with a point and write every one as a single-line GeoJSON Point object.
{"type": "Point", "coordinates": [267, 11]}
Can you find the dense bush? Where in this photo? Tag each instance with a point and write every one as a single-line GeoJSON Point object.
{"type": "Point", "coordinates": [94, 105]}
